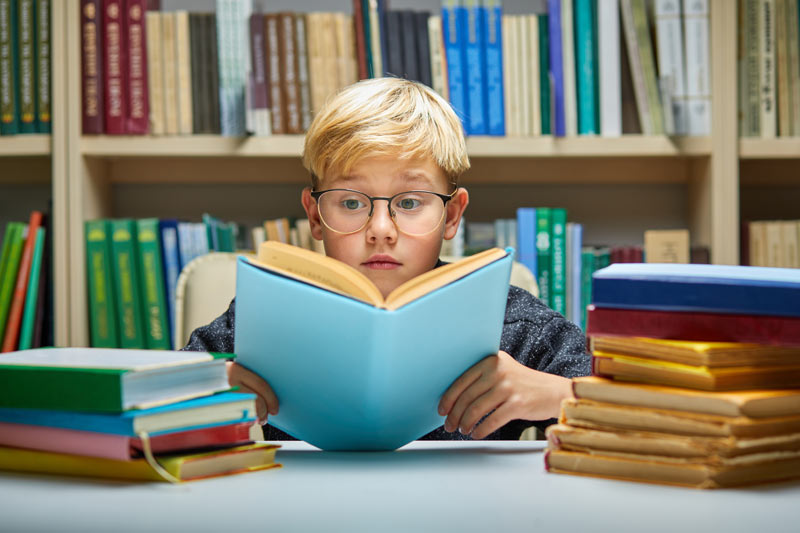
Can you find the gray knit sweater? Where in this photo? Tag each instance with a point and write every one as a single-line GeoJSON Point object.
{"type": "Point", "coordinates": [533, 334]}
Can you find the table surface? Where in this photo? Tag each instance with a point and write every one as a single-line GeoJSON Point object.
{"type": "Point", "coordinates": [424, 486]}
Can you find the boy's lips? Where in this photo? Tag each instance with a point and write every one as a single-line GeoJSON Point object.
{"type": "Point", "coordinates": [381, 262]}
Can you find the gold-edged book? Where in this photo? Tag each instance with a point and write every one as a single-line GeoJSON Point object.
{"type": "Point", "coordinates": [183, 467]}
{"type": "Point", "coordinates": [699, 353]}
{"type": "Point", "coordinates": [609, 416]}
{"type": "Point", "coordinates": [749, 403]}
{"type": "Point", "coordinates": [643, 369]}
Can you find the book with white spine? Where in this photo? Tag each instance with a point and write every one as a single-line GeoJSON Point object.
{"type": "Point", "coordinates": [669, 45]}
{"type": "Point", "coordinates": [766, 47]}
{"type": "Point", "coordinates": [608, 56]}
{"type": "Point", "coordinates": [568, 51]}
{"type": "Point", "coordinates": [533, 61]}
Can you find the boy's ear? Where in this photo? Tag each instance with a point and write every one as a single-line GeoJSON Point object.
{"type": "Point", "coordinates": [455, 210]}
{"type": "Point", "coordinates": [310, 205]}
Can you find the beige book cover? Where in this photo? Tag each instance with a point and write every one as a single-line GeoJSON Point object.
{"type": "Point", "coordinates": [666, 246]}
{"type": "Point", "coordinates": [155, 72]}
{"type": "Point", "coordinates": [170, 50]}
{"type": "Point", "coordinates": [184, 68]}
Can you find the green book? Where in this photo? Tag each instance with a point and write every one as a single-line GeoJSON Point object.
{"type": "Point", "coordinates": [130, 323]}
{"type": "Point", "coordinates": [10, 229]}
{"type": "Point", "coordinates": [105, 379]}
{"type": "Point", "coordinates": [587, 267]}
{"type": "Point", "coordinates": [9, 115]}
{"type": "Point", "coordinates": [543, 254]}
{"type": "Point", "coordinates": [9, 279]}
{"type": "Point", "coordinates": [32, 294]}
{"type": "Point", "coordinates": [648, 62]}
{"type": "Point", "coordinates": [368, 40]}
{"type": "Point", "coordinates": [544, 77]}
{"type": "Point", "coordinates": [153, 287]}
{"type": "Point", "coordinates": [27, 66]}
{"type": "Point", "coordinates": [43, 73]}
{"type": "Point", "coordinates": [558, 240]}
{"type": "Point", "coordinates": [102, 310]}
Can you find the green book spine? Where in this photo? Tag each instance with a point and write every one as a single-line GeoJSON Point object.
{"type": "Point", "coordinates": [73, 389]}
{"type": "Point", "coordinates": [9, 278]}
{"type": "Point", "coordinates": [102, 311]}
{"type": "Point", "coordinates": [558, 285]}
{"type": "Point", "coordinates": [7, 237]}
{"type": "Point", "coordinates": [153, 287]}
{"type": "Point", "coordinates": [648, 61]}
{"type": "Point", "coordinates": [367, 40]}
{"type": "Point", "coordinates": [587, 267]}
{"type": "Point", "coordinates": [27, 67]}
{"type": "Point", "coordinates": [544, 75]}
{"type": "Point", "coordinates": [31, 297]}
{"type": "Point", "coordinates": [9, 116]}
{"type": "Point", "coordinates": [543, 254]}
{"type": "Point", "coordinates": [126, 284]}
{"type": "Point", "coordinates": [43, 77]}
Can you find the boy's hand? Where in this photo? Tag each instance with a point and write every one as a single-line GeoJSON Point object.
{"type": "Point", "coordinates": [247, 381]}
{"type": "Point", "coordinates": [507, 389]}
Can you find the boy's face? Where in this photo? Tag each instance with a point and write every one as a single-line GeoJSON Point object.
{"type": "Point", "coordinates": [386, 255]}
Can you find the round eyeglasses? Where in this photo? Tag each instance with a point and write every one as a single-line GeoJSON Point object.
{"type": "Point", "coordinates": [413, 212]}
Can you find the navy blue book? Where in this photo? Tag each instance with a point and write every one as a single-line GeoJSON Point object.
{"type": "Point", "coordinates": [556, 67]}
{"type": "Point", "coordinates": [703, 288]}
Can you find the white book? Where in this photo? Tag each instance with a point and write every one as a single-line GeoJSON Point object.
{"type": "Point", "coordinates": [608, 57]}
{"type": "Point", "coordinates": [533, 60]}
{"type": "Point", "coordinates": [698, 66]}
{"type": "Point", "coordinates": [259, 235]}
{"type": "Point", "coordinates": [524, 109]}
{"type": "Point", "coordinates": [516, 66]}
{"type": "Point", "coordinates": [669, 46]}
{"type": "Point", "coordinates": [509, 61]}
{"type": "Point", "coordinates": [375, 37]}
{"type": "Point", "coordinates": [568, 58]}
{"type": "Point", "coordinates": [438, 68]}
{"type": "Point", "coordinates": [767, 91]}
{"type": "Point", "coordinates": [170, 74]}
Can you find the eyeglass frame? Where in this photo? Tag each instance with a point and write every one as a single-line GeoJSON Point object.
{"type": "Point", "coordinates": [444, 197]}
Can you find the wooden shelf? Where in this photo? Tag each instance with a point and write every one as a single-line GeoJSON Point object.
{"type": "Point", "coordinates": [25, 145]}
{"type": "Point", "coordinates": [191, 146]}
{"type": "Point", "coordinates": [778, 148]}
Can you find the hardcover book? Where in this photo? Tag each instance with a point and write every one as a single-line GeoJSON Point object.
{"type": "Point", "coordinates": [373, 390]}
{"type": "Point", "coordinates": [114, 52]}
{"type": "Point", "coordinates": [102, 308]}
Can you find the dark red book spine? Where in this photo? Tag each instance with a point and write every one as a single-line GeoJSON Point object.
{"type": "Point", "coordinates": [361, 50]}
{"type": "Point", "coordinates": [91, 66]}
{"type": "Point", "coordinates": [138, 108]}
{"type": "Point", "coordinates": [228, 435]}
{"type": "Point", "coordinates": [287, 57]}
{"type": "Point", "coordinates": [114, 69]}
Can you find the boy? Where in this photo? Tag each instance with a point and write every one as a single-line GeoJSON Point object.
{"type": "Point", "coordinates": [385, 156]}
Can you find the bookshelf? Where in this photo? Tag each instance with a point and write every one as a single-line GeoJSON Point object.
{"type": "Point", "coordinates": [628, 184]}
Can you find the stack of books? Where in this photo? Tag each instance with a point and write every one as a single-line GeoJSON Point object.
{"type": "Point", "coordinates": [126, 414]}
{"type": "Point", "coordinates": [696, 378]}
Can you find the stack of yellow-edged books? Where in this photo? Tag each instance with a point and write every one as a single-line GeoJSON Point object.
{"type": "Point", "coordinates": [698, 413]}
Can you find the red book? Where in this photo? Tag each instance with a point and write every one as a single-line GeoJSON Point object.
{"type": "Point", "coordinates": [14, 319]}
{"type": "Point", "coordinates": [135, 41]}
{"type": "Point", "coordinates": [361, 50]}
{"type": "Point", "coordinates": [690, 326]}
{"type": "Point", "coordinates": [91, 66]}
{"type": "Point", "coordinates": [114, 69]}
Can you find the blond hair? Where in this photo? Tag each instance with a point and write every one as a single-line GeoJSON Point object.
{"type": "Point", "coordinates": [384, 116]}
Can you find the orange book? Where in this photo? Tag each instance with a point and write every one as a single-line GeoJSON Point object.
{"type": "Point", "coordinates": [20, 288]}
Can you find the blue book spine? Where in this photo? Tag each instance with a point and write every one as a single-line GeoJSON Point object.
{"type": "Point", "coordinates": [476, 80]}
{"type": "Point", "coordinates": [575, 266]}
{"type": "Point", "coordinates": [172, 266]}
{"type": "Point", "coordinates": [557, 67]}
{"type": "Point", "coordinates": [495, 106]}
{"type": "Point", "coordinates": [585, 37]}
{"type": "Point", "coordinates": [382, 8]}
{"type": "Point", "coordinates": [526, 237]}
{"type": "Point", "coordinates": [453, 47]}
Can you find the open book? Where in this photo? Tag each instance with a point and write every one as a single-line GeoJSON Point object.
{"type": "Point", "coordinates": [355, 371]}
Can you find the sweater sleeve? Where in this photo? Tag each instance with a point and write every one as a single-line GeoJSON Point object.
{"type": "Point", "coordinates": [217, 336]}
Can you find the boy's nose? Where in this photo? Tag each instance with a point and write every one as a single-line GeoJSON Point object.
{"type": "Point", "coordinates": [381, 226]}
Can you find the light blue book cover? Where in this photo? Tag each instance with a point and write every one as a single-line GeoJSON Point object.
{"type": "Point", "coordinates": [705, 288]}
{"type": "Point", "coordinates": [454, 49]}
{"type": "Point", "coordinates": [352, 376]}
{"type": "Point", "coordinates": [171, 263]}
{"type": "Point", "coordinates": [526, 237]}
{"type": "Point", "coordinates": [476, 69]}
{"type": "Point", "coordinates": [194, 416]}
{"type": "Point", "coordinates": [493, 50]}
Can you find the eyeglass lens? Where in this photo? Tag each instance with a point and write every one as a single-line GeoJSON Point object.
{"type": "Point", "coordinates": [415, 213]}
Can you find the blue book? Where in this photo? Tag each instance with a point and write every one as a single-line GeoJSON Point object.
{"type": "Point", "coordinates": [526, 237]}
{"type": "Point", "coordinates": [556, 67]}
{"type": "Point", "coordinates": [476, 69]}
{"type": "Point", "coordinates": [454, 49]}
{"type": "Point", "coordinates": [586, 67]}
{"type": "Point", "coordinates": [222, 408]}
{"type": "Point", "coordinates": [369, 375]}
{"type": "Point", "coordinates": [702, 288]}
{"type": "Point", "coordinates": [575, 278]}
{"type": "Point", "coordinates": [493, 35]}
{"type": "Point", "coordinates": [170, 252]}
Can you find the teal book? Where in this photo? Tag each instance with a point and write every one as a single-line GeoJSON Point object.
{"type": "Point", "coordinates": [558, 241]}
{"type": "Point", "coordinates": [103, 330]}
{"type": "Point", "coordinates": [32, 292]}
{"type": "Point", "coordinates": [370, 375]}
{"type": "Point", "coordinates": [153, 287]}
{"type": "Point", "coordinates": [586, 67]}
{"type": "Point", "coordinates": [9, 86]}
{"type": "Point", "coordinates": [544, 263]}
{"type": "Point", "coordinates": [545, 92]}
{"type": "Point", "coordinates": [587, 268]}
{"type": "Point", "coordinates": [130, 321]}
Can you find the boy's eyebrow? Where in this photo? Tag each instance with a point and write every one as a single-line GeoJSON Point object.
{"type": "Point", "coordinates": [413, 177]}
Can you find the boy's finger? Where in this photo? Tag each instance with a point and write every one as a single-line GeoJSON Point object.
{"type": "Point", "coordinates": [459, 385]}
{"type": "Point", "coordinates": [261, 406]}
{"type": "Point", "coordinates": [481, 407]}
{"type": "Point", "coordinates": [466, 401]}
{"type": "Point", "coordinates": [239, 375]}
{"type": "Point", "coordinates": [497, 419]}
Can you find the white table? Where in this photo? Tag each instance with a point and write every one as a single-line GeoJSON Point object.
{"type": "Point", "coordinates": [426, 486]}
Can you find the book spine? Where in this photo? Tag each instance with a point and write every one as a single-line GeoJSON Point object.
{"type": "Point", "coordinates": [454, 47]}
{"type": "Point", "coordinates": [698, 66]}
{"type": "Point", "coordinates": [439, 78]}
{"type": "Point", "coordinates": [767, 92]}
{"type": "Point", "coordinates": [155, 72]}
{"type": "Point", "coordinates": [358, 28]}
{"type": "Point", "coordinates": [585, 67]}
{"type": "Point", "coordinates": [408, 26]}
{"type": "Point", "coordinates": [669, 41]}
{"type": "Point", "coordinates": [287, 55]}
{"type": "Point", "coordinates": [556, 67]}
{"type": "Point", "coordinates": [26, 65]}
{"type": "Point", "coordinates": [126, 284]}
{"type": "Point", "coordinates": [394, 44]}
{"type": "Point", "coordinates": [42, 326]}
{"type": "Point", "coordinates": [784, 100]}
{"type": "Point", "coordinates": [509, 68]}
{"type": "Point", "coordinates": [636, 67]}
{"type": "Point", "coordinates": [493, 34]}
{"type": "Point", "coordinates": [259, 102]}
{"type": "Point", "coordinates": [272, 55]}
{"type": "Point", "coordinates": [32, 293]}
{"type": "Point", "coordinates": [752, 64]}
{"type": "Point", "coordinates": [377, 36]}
{"type": "Point", "coordinates": [423, 48]}
{"type": "Point", "coordinates": [576, 274]}
{"type": "Point", "coordinates": [587, 268]}
{"type": "Point", "coordinates": [152, 284]}
{"type": "Point", "coordinates": [43, 104]}
{"type": "Point", "coordinates": [793, 58]}
{"type": "Point", "coordinates": [568, 57]}
{"type": "Point", "coordinates": [544, 254]}
{"type": "Point", "coordinates": [15, 235]}
{"type": "Point", "coordinates": [558, 241]}
{"type": "Point", "coordinates": [224, 57]}
{"type": "Point", "coordinates": [9, 97]}
{"type": "Point", "coordinates": [303, 79]}
{"type": "Point", "coordinates": [545, 78]}
{"type": "Point", "coordinates": [198, 66]}
{"type": "Point", "coordinates": [171, 103]}
{"type": "Point", "coordinates": [523, 96]}
{"type": "Point", "coordinates": [170, 253]}
{"type": "Point", "coordinates": [534, 77]}
{"type": "Point", "coordinates": [9, 235]}
{"type": "Point", "coordinates": [137, 105]}
{"type": "Point", "coordinates": [102, 309]}
{"type": "Point", "coordinates": [212, 83]}
{"type": "Point", "coordinates": [526, 238]}
{"type": "Point", "coordinates": [647, 60]}
{"type": "Point", "coordinates": [114, 58]}
{"type": "Point", "coordinates": [184, 73]}
{"type": "Point", "coordinates": [609, 68]}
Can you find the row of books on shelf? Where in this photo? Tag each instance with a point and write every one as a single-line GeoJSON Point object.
{"type": "Point", "coordinates": [25, 68]}
{"type": "Point", "coordinates": [769, 68]}
{"type": "Point", "coordinates": [26, 308]}
{"type": "Point", "coordinates": [583, 67]}
{"type": "Point", "coordinates": [696, 378]}
{"type": "Point", "coordinates": [771, 243]}
{"type": "Point", "coordinates": [116, 414]}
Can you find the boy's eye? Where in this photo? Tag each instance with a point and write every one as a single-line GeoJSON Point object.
{"type": "Point", "coordinates": [352, 204]}
{"type": "Point", "coordinates": [408, 203]}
